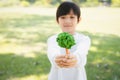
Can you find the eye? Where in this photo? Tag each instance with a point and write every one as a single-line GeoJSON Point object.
{"type": "Point", "coordinates": [62, 17]}
{"type": "Point", "coordinates": [72, 17]}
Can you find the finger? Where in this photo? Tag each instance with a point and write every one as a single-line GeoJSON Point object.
{"type": "Point", "coordinates": [72, 56]}
{"type": "Point", "coordinates": [65, 64]}
{"type": "Point", "coordinates": [60, 56]}
{"type": "Point", "coordinates": [69, 65]}
{"type": "Point", "coordinates": [58, 60]}
{"type": "Point", "coordinates": [64, 60]}
{"type": "Point", "coordinates": [71, 61]}
{"type": "Point", "coordinates": [69, 56]}
{"type": "Point", "coordinates": [60, 65]}
{"type": "Point", "coordinates": [61, 62]}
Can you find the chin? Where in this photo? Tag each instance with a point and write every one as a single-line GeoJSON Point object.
{"type": "Point", "coordinates": [68, 32]}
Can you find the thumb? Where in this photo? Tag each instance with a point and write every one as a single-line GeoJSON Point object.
{"type": "Point", "coordinates": [67, 56]}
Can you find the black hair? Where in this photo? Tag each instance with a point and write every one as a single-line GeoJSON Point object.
{"type": "Point", "coordinates": [65, 8]}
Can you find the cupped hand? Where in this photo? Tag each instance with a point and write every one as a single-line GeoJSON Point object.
{"type": "Point", "coordinates": [59, 60]}
{"type": "Point", "coordinates": [66, 61]}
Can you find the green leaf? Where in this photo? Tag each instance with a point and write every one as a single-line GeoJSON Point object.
{"type": "Point", "coordinates": [65, 40]}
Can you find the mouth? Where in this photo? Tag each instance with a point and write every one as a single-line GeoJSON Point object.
{"type": "Point", "coordinates": [67, 26]}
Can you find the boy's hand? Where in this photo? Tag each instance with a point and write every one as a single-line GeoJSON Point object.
{"type": "Point", "coordinates": [59, 60]}
{"type": "Point", "coordinates": [66, 61]}
{"type": "Point", "coordinates": [71, 61]}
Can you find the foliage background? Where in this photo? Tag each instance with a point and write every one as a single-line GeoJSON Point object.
{"type": "Point", "coordinates": [48, 3]}
{"type": "Point", "coordinates": [26, 25]}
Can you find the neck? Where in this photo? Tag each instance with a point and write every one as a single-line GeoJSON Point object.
{"type": "Point", "coordinates": [72, 33]}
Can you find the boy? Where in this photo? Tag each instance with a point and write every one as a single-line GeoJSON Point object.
{"type": "Point", "coordinates": [70, 67]}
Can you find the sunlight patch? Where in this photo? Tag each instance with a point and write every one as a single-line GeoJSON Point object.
{"type": "Point", "coordinates": [96, 42]}
{"type": "Point", "coordinates": [93, 48]}
{"type": "Point", "coordinates": [97, 61]}
{"type": "Point", "coordinates": [32, 55]}
{"type": "Point", "coordinates": [31, 77]}
{"type": "Point", "coordinates": [26, 50]}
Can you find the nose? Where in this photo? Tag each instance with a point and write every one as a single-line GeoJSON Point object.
{"type": "Point", "coordinates": [67, 20]}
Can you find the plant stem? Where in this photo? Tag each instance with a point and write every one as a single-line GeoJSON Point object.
{"type": "Point", "coordinates": [67, 51]}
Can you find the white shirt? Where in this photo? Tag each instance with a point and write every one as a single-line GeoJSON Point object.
{"type": "Point", "coordinates": [80, 49]}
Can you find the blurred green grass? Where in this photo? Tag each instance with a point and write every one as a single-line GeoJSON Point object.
{"type": "Point", "coordinates": [23, 47]}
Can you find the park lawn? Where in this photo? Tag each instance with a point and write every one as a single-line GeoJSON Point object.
{"type": "Point", "coordinates": [23, 48]}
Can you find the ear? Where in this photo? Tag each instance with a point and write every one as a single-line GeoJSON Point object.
{"type": "Point", "coordinates": [79, 19]}
{"type": "Point", "coordinates": [57, 21]}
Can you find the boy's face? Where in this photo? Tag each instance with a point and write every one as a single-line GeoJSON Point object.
{"type": "Point", "coordinates": [68, 22]}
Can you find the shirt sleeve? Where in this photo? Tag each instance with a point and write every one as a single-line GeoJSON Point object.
{"type": "Point", "coordinates": [82, 51]}
{"type": "Point", "coordinates": [52, 51]}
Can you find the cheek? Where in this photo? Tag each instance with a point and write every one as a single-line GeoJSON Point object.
{"type": "Point", "coordinates": [61, 23]}
{"type": "Point", "coordinates": [75, 21]}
